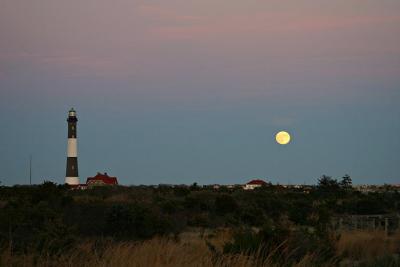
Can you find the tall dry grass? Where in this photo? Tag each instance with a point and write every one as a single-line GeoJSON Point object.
{"type": "Point", "coordinates": [367, 245]}
{"type": "Point", "coordinates": [192, 250]}
{"type": "Point", "coordinates": [156, 252]}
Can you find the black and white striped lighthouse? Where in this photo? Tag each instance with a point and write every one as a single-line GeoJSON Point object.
{"type": "Point", "coordinates": [72, 177]}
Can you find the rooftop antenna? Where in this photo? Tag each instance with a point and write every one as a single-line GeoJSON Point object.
{"type": "Point", "coordinates": [30, 169]}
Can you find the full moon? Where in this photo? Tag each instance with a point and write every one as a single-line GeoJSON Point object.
{"type": "Point", "coordinates": [282, 138]}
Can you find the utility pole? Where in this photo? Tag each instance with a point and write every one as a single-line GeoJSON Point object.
{"type": "Point", "coordinates": [30, 169]}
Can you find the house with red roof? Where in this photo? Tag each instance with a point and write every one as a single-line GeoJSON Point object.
{"type": "Point", "coordinates": [254, 184]}
{"type": "Point", "coordinates": [101, 179]}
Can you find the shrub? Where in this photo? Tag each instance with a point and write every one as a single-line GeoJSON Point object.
{"type": "Point", "coordinates": [225, 204]}
{"type": "Point", "coordinates": [135, 222]}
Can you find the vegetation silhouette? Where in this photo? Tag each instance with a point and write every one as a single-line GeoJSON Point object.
{"type": "Point", "coordinates": [275, 223]}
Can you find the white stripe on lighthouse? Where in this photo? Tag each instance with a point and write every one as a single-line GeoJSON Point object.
{"type": "Point", "coordinates": [72, 149]}
{"type": "Point", "coordinates": [72, 180]}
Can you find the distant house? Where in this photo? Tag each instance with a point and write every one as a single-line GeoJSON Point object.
{"type": "Point", "coordinates": [216, 186]}
{"type": "Point", "coordinates": [101, 180]}
{"type": "Point", "coordinates": [78, 186]}
{"type": "Point", "coordinates": [254, 184]}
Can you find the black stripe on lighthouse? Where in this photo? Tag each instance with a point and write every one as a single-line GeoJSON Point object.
{"type": "Point", "coordinates": [72, 167]}
{"type": "Point", "coordinates": [72, 126]}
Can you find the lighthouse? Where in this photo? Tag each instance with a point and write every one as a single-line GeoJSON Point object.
{"type": "Point", "coordinates": [72, 177]}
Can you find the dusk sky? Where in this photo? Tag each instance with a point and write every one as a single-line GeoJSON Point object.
{"type": "Point", "coordinates": [184, 91]}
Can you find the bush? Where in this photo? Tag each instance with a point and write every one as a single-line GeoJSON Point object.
{"type": "Point", "coordinates": [34, 227]}
{"type": "Point", "coordinates": [225, 204]}
{"type": "Point", "coordinates": [280, 244]}
{"type": "Point", "coordinates": [134, 222]}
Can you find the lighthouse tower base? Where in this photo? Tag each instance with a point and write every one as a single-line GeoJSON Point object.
{"type": "Point", "coordinates": [72, 180]}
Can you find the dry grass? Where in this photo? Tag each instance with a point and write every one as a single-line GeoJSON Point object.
{"type": "Point", "coordinates": [155, 252]}
{"type": "Point", "coordinates": [367, 245]}
{"type": "Point", "coordinates": [192, 250]}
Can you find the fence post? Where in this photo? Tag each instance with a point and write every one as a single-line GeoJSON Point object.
{"type": "Point", "coordinates": [386, 226]}
{"type": "Point", "coordinates": [398, 222]}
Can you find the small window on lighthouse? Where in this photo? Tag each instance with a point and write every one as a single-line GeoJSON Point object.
{"type": "Point", "coordinates": [73, 167]}
{"type": "Point", "coordinates": [73, 127]}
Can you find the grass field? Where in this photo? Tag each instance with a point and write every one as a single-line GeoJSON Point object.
{"type": "Point", "coordinates": [193, 249]}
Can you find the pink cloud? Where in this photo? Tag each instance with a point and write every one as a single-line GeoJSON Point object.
{"type": "Point", "coordinates": [72, 64]}
{"type": "Point", "coordinates": [79, 65]}
{"type": "Point", "coordinates": [263, 23]}
{"type": "Point", "coordinates": [167, 15]}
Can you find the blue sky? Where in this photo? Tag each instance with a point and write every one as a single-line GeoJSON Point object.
{"type": "Point", "coordinates": [191, 91]}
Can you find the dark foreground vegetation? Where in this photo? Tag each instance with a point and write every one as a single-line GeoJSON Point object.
{"type": "Point", "coordinates": [52, 225]}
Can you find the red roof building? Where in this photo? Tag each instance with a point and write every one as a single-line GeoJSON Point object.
{"type": "Point", "coordinates": [257, 181]}
{"type": "Point", "coordinates": [254, 184]}
{"type": "Point", "coordinates": [101, 179]}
